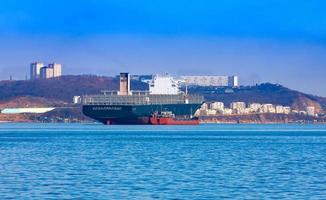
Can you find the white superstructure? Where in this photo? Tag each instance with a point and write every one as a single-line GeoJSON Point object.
{"type": "Point", "coordinates": [163, 85]}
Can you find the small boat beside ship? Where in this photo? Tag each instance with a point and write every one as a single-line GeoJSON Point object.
{"type": "Point", "coordinates": [168, 118]}
{"type": "Point", "coordinates": [162, 104]}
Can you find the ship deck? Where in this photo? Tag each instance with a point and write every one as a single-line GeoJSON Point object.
{"type": "Point", "coordinates": [140, 99]}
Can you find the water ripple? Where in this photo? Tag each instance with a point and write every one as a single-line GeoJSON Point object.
{"type": "Point", "coordinates": [205, 162]}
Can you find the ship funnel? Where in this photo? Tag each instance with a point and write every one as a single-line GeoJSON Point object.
{"type": "Point", "coordinates": [124, 84]}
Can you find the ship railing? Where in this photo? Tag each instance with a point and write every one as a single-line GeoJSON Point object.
{"type": "Point", "coordinates": [139, 99]}
{"type": "Point", "coordinates": [109, 92]}
{"type": "Point", "coordinates": [139, 92]}
{"type": "Point", "coordinates": [133, 92]}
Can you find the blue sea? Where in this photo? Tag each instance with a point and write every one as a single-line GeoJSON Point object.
{"type": "Point", "coordinates": [93, 161]}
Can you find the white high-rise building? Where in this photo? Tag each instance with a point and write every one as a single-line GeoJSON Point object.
{"type": "Point", "coordinates": [233, 81]}
{"type": "Point", "coordinates": [56, 69]}
{"type": "Point", "coordinates": [46, 72]}
{"type": "Point", "coordinates": [35, 70]}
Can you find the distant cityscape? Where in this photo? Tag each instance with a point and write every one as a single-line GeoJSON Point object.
{"type": "Point", "coordinates": [240, 108]}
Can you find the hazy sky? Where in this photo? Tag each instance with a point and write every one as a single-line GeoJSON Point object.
{"type": "Point", "coordinates": [279, 41]}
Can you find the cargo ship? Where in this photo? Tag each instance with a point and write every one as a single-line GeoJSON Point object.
{"type": "Point", "coordinates": [162, 104]}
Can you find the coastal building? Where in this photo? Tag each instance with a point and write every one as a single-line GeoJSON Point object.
{"type": "Point", "coordinates": [227, 111]}
{"type": "Point", "coordinates": [35, 70]}
{"type": "Point", "coordinates": [209, 80]}
{"type": "Point", "coordinates": [267, 108]}
{"type": "Point", "coordinates": [254, 107]}
{"type": "Point", "coordinates": [246, 111]}
{"type": "Point", "coordinates": [282, 109]}
{"type": "Point", "coordinates": [204, 106]}
{"type": "Point", "coordinates": [202, 111]}
{"type": "Point", "coordinates": [219, 106]}
{"type": "Point", "coordinates": [310, 110]}
{"type": "Point", "coordinates": [211, 112]}
{"type": "Point", "coordinates": [287, 110]}
{"type": "Point", "coordinates": [279, 109]}
{"type": "Point", "coordinates": [238, 107]}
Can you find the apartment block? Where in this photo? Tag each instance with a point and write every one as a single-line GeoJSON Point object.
{"type": "Point", "coordinates": [35, 70]}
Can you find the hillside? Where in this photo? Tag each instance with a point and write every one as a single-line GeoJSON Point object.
{"type": "Point", "coordinates": [61, 91]}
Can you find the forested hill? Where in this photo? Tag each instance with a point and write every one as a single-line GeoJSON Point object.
{"type": "Point", "coordinates": [61, 90]}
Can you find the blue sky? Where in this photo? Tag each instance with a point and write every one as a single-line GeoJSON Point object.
{"type": "Point", "coordinates": [277, 41]}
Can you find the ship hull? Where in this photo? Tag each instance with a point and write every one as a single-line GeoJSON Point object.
{"type": "Point", "coordinates": [136, 114]}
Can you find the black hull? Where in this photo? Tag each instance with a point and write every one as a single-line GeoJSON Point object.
{"type": "Point", "coordinates": [135, 114]}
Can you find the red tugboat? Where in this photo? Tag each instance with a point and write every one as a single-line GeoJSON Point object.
{"type": "Point", "coordinates": [168, 118]}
